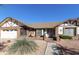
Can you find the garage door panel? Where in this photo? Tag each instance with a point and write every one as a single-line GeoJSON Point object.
{"type": "Point", "coordinates": [8, 34]}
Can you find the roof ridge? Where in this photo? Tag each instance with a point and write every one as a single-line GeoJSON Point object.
{"type": "Point", "coordinates": [45, 22]}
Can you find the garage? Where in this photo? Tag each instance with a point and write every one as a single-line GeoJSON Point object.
{"type": "Point", "coordinates": [8, 34]}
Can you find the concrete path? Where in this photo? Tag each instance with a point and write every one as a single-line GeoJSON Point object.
{"type": "Point", "coordinates": [49, 50]}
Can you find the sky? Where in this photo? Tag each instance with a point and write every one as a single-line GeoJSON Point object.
{"type": "Point", "coordinates": [37, 13]}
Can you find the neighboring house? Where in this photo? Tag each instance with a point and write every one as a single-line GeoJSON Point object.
{"type": "Point", "coordinates": [11, 29]}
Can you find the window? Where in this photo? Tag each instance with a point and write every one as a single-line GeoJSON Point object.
{"type": "Point", "coordinates": [23, 31]}
{"type": "Point", "coordinates": [39, 32]}
{"type": "Point", "coordinates": [77, 23]}
{"type": "Point", "coordinates": [69, 32]}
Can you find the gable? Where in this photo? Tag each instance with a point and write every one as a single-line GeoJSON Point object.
{"type": "Point", "coordinates": [9, 24]}
{"type": "Point", "coordinates": [67, 25]}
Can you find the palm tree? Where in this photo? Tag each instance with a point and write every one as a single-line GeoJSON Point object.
{"type": "Point", "coordinates": [22, 46]}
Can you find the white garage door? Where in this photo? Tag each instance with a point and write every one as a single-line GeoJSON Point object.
{"type": "Point", "coordinates": [10, 34]}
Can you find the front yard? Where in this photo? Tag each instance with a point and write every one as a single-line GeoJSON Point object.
{"type": "Point", "coordinates": [67, 47]}
{"type": "Point", "coordinates": [43, 48]}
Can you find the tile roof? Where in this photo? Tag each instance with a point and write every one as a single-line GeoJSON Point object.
{"type": "Point", "coordinates": [45, 25]}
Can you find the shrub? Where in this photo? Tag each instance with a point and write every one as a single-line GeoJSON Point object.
{"type": "Point", "coordinates": [22, 46]}
{"type": "Point", "coordinates": [65, 37]}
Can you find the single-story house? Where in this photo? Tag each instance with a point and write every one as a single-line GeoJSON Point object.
{"type": "Point", "coordinates": [11, 29]}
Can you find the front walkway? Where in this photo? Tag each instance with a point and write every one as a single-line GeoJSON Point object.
{"type": "Point", "coordinates": [49, 50]}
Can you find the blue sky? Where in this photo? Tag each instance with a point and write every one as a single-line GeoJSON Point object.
{"type": "Point", "coordinates": [35, 13]}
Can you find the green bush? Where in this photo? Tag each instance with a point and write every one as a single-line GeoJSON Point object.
{"type": "Point", "coordinates": [65, 37]}
{"type": "Point", "coordinates": [22, 46]}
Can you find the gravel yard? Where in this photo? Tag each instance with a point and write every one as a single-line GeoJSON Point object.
{"type": "Point", "coordinates": [43, 48]}
{"type": "Point", "coordinates": [70, 47]}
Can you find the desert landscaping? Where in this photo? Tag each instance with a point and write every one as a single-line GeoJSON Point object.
{"type": "Point", "coordinates": [67, 47]}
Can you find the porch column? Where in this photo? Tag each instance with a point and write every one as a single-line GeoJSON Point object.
{"type": "Point", "coordinates": [45, 35]}
{"type": "Point", "coordinates": [42, 32]}
{"type": "Point", "coordinates": [27, 31]}
{"type": "Point", "coordinates": [18, 32]}
{"type": "Point", "coordinates": [56, 34]}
